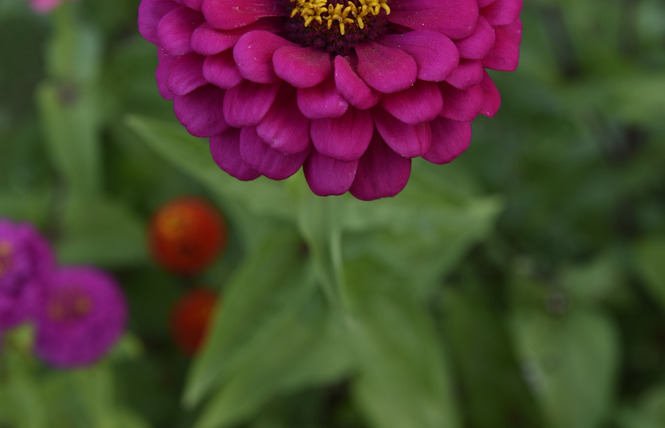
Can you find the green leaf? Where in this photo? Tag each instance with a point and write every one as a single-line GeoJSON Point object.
{"type": "Point", "coordinates": [101, 232]}
{"type": "Point", "coordinates": [649, 413]}
{"type": "Point", "coordinates": [403, 377]}
{"type": "Point", "coordinates": [570, 363]}
{"type": "Point", "coordinates": [648, 256]}
{"type": "Point", "coordinates": [70, 128]}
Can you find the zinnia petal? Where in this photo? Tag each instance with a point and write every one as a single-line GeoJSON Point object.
{"type": "Point", "coordinates": [225, 151]}
{"type": "Point", "coordinates": [462, 105]}
{"type": "Point", "coordinates": [221, 70]}
{"type": "Point", "coordinates": [328, 176]}
{"type": "Point", "coordinates": [384, 68]}
{"type": "Point", "coordinates": [150, 13]}
{"type": "Point", "coordinates": [352, 87]}
{"type": "Point", "coordinates": [478, 44]}
{"type": "Point", "coordinates": [322, 101]}
{"type": "Point", "coordinates": [301, 67]}
{"type": "Point", "coordinates": [505, 54]}
{"type": "Point", "coordinates": [454, 18]}
{"type": "Point", "coordinates": [345, 138]}
{"type": "Point", "coordinates": [435, 54]}
{"type": "Point", "coordinates": [267, 161]}
{"type": "Point", "coordinates": [406, 140]}
{"type": "Point", "coordinates": [502, 12]}
{"type": "Point", "coordinates": [492, 98]}
{"type": "Point", "coordinates": [450, 138]}
{"type": "Point", "coordinates": [253, 54]}
{"type": "Point", "coordinates": [422, 102]}
{"type": "Point", "coordinates": [229, 14]}
{"type": "Point", "coordinates": [200, 111]}
{"type": "Point", "coordinates": [381, 172]}
{"type": "Point", "coordinates": [246, 103]}
{"type": "Point", "coordinates": [175, 30]}
{"type": "Point", "coordinates": [284, 128]}
{"type": "Point", "coordinates": [186, 74]}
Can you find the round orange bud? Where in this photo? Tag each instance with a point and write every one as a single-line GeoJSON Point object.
{"type": "Point", "coordinates": [186, 235]}
{"type": "Point", "coordinates": [190, 318]}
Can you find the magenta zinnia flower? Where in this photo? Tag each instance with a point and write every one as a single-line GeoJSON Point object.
{"type": "Point", "coordinates": [26, 260]}
{"type": "Point", "coordinates": [351, 90]}
{"type": "Point", "coordinates": [82, 314]}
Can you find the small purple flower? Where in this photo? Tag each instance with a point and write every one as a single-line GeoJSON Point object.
{"type": "Point", "coordinates": [349, 90]}
{"type": "Point", "coordinates": [82, 314]}
{"type": "Point", "coordinates": [26, 260]}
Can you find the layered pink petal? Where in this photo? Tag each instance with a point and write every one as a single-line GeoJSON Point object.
{"type": "Point", "coordinates": [502, 12]}
{"type": "Point", "coordinates": [435, 54]}
{"type": "Point", "coordinates": [381, 172]}
{"type": "Point", "coordinates": [352, 87]}
{"type": "Point", "coordinates": [454, 18]}
{"type": "Point", "coordinates": [247, 103]}
{"type": "Point", "coordinates": [492, 98]}
{"type": "Point", "coordinates": [344, 138]}
{"type": "Point", "coordinates": [384, 68]}
{"type": "Point", "coordinates": [150, 13]}
{"type": "Point", "coordinates": [269, 162]}
{"type": "Point", "coordinates": [162, 73]}
{"type": "Point", "coordinates": [478, 44]}
{"type": "Point", "coordinates": [185, 74]}
{"type": "Point", "coordinates": [207, 40]}
{"type": "Point", "coordinates": [322, 101]}
{"type": "Point", "coordinates": [229, 14]}
{"type": "Point", "coordinates": [468, 73]}
{"type": "Point", "coordinates": [450, 139]}
{"type": "Point", "coordinates": [253, 55]}
{"type": "Point", "coordinates": [406, 140]}
{"type": "Point", "coordinates": [225, 151]}
{"type": "Point", "coordinates": [221, 70]}
{"type": "Point", "coordinates": [201, 111]}
{"type": "Point", "coordinates": [284, 128]}
{"type": "Point", "coordinates": [505, 54]}
{"type": "Point", "coordinates": [420, 103]}
{"type": "Point", "coordinates": [192, 4]}
{"type": "Point", "coordinates": [327, 176]}
{"type": "Point", "coordinates": [175, 30]}
{"type": "Point", "coordinates": [302, 67]}
{"type": "Point", "coordinates": [463, 105]}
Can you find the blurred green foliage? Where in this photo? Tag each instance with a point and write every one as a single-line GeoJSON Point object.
{"type": "Point", "coordinates": [521, 286]}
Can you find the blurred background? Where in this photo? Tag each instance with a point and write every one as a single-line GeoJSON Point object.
{"type": "Point", "coordinates": [521, 286]}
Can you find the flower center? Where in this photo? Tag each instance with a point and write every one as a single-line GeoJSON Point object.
{"type": "Point", "coordinates": [69, 305]}
{"type": "Point", "coordinates": [336, 25]}
{"type": "Point", "coordinates": [5, 257]}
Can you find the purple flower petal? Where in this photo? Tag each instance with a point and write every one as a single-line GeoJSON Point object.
{"type": "Point", "coordinates": [221, 70]}
{"type": "Point", "coordinates": [229, 14]}
{"type": "Point", "coordinates": [462, 105]}
{"type": "Point", "coordinates": [175, 30]}
{"type": "Point", "coordinates": [468, 73]}
{"type": "Point", "coordinates": [150, 13]}
{"type": "Point", "coordinates": [409, 141]}
{"type": "Point", "coordinates": [284, 128]}
{"type": "Point", "coordinates": [505, 54]}
{"type": "Point", "coordinates": [302, 67]}
{"type": "Point", "coordinates": [327, 176]}
{"type": "Point", "coordinates": [225, 151]}
{"type": "Point", "coordinates": [454, 18]}
{"type": "Point", "coordinates": [82, 315]}
{"type": "Point", "coordinates": [344, 138]}
{"type": "Point", "coordinates": [162, 73]}
{"type": "Point", "coordinates": [384, 68]}
{"type": "Point", "coordinates": [502, 12]}
{"type": "Point", "coordinates": [435, 54]}
{"type": "Point", "coordinates": [201, 111]}
{"type": "Point", "coordinates": [381, 172]}
{"type": "Point", "coordinates": [352, 87]}
{"type": "Point", "coordinates": [450, 139]}
{"type": "Point", "coordinates": [207, 40]}
{"type": "Point", "coordinates": [419, 103]}
{"type": "Point", "coordinates": [246, 103]}
{"type": "Point", "coordinates": [322, 101]}
{"type": "Point", "coordinates": [186, 74]}
{"type": "Point", "coordinates": [478, 44]}
{"type": "Point", "coordinates": [192, 4]}
{"type": "Point", "coordinates": [269, 162]}
{"type": "Point", "coordinates": [253, 54]}
{"type": "Point", "coordinates": [492, 98]}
